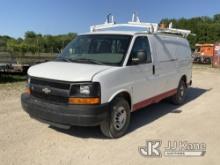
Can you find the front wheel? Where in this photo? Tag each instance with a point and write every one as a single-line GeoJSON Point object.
{"type": "Point", "coordinates": [118, 120]}
{"type": "Point", "coordinates": [180, 96]}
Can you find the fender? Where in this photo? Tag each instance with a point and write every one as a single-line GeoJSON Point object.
{"type": "Point", "coordinates": [118, 92]}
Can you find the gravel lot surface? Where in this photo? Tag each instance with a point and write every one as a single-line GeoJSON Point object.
{"type": "Point", "coordinates": [26, 141]}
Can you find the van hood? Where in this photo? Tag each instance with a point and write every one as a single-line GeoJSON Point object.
{"type": "Point", "coordinates": [66, 71]}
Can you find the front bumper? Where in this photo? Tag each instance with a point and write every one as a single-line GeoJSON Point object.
{"type": "Point", "coordinates": [64, 115]}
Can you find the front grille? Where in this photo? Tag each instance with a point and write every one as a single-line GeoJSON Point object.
{"type": "Point", "coordinates": [51, 83]}
{"type": "Point", "coordinates": [50, 98]}
{"type": "Point", "coordinates": [59, 91]}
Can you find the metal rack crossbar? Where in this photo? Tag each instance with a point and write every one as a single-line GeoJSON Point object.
{"type": "Point", "coordinates": [150, 27]}
{"type": "Point", "coordinates": [110, 23]}
{"type": "Point", "coordinates": [172, 30]}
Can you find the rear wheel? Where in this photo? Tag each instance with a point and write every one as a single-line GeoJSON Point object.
{"type": "Point", "coordinates": [118, 120]}
{"type": "Point", "coordinates": [180, 95]}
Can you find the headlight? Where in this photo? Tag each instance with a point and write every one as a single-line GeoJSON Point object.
{"type": "Point", "coordinates": [86, 90]}
{"type": "Point", "coordinates": [85, 93]}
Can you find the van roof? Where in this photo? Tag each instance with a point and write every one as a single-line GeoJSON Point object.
{"type": "Point", "coordinates": [116, 32]}
{"type": "Point", "coordinates": [131, 33]}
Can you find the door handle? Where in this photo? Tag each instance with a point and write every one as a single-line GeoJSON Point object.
{"type": "Point", "coordinates": [153, 69]}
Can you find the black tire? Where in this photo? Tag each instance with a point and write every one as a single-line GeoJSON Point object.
{"type": "Point", "coordinates": [118, 119]}
{"type": "Point", "coordinates": [180, 96]}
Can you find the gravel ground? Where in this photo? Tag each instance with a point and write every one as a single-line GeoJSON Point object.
{"type": "Point", "coordinates": [26, 141]}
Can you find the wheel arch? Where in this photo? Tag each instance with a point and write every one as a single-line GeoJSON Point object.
{"type": "Point", "coordinates": [122, 93]}
{"type": "Point", "coordinates": [184, 78]}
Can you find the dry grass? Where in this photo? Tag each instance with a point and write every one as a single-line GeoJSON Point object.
{"type": "Point", "coordinates": [10, 90]}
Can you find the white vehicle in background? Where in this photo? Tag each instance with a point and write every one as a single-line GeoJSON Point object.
{"type": "Point", "coordinates": [103, 76]}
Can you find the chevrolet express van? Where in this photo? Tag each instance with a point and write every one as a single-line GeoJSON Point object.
{"type": "Point", "coordinates": [101, 77]}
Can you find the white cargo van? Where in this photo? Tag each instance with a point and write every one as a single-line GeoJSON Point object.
{"type": "Point", "coordinates": [103, 76]}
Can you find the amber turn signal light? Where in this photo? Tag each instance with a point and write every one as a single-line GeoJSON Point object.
{"type": "Point", "coordinates": [74, 100]}
{"type": "Point", "coordinates": [27, 90]}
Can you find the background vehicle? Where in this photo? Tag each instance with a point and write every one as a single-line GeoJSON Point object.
{"type": "Point", "coordinates": [204, 53]}
{"type": "Point", "coordinates": [216, 57]}
{"type": "Point", "coordinates": [10, 63]}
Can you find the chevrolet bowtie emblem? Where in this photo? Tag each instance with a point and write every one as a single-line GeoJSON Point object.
{"type": "Point", "coordinates": [46, 90]}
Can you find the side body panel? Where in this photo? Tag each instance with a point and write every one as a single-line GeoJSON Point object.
{"type": "Point", "coordinates": [184, 59]}
{"type": "Point", "coordinates": [171, 58]}
{"type": "Point", "coordinates": [137, 80]}
{"type": "Point", "coordinates": [164, 47]}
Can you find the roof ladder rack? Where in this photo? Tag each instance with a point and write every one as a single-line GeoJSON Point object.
{"type": "Point", "coordinates": [171, 30]}
{"type": "Point", "coordinates": [136, 23]}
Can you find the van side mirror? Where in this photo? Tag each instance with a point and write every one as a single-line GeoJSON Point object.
{"type": "Point", "coordinates": [140, 57]}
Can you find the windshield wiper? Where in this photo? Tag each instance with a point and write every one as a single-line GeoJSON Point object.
{"type": "Point", "coordinates": [84, 60]}
{"type": "Point", "coordinates": [92, 61]}
{"type": "Point", "coordinates": [63, 59]}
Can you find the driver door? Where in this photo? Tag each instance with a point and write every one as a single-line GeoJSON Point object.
{"type": "Point", "coordinates": [143, 74]}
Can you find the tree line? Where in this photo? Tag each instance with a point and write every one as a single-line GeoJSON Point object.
{"type": "Point", "coordinates": [206, 29]}
{"type": "Point", "coordinates": [35, 43]}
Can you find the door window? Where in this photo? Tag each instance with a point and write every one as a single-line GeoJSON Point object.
{"type": "Point", "coordinates": [140, 44]}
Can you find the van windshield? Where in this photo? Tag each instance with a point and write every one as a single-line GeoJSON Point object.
{"type": "Point", "coordinates": [97, 49]}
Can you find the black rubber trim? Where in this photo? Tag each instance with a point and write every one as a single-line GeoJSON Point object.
{"type": "Point", "coordinates": [189, 83]}
{"type": "Point", "coordinates": [81, 115]}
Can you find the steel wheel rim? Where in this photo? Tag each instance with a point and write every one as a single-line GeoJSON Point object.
{"type": "Point", "coordinates": [119, 118]}
{"type": "Point", "coordinates": [182, 92]}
